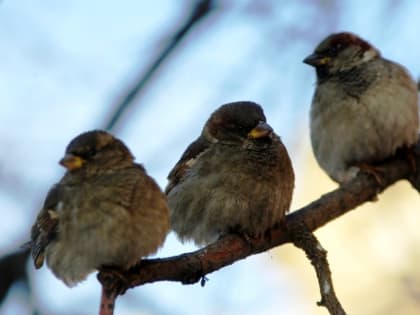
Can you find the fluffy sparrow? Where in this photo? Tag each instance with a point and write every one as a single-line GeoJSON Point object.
{"type": "Point", "coordinates": [105, 211]}
{"type": "Point", "coordinates": [365, 107]}
{"type": "Point", "coordinates": [236, 177]}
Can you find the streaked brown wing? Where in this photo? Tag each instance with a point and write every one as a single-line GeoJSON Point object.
{"type": "Point", "coordinates": [45, 228]}
{"type": "Point", "coordinates": [187, 159]}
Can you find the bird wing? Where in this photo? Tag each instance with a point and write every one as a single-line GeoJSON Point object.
{"type": "Point", "coordinates": [45, 228]}
{"type": "Point", "coordinates": [187, 160]}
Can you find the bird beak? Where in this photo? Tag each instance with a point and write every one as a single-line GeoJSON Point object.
{"type": "Point", "coordinates": [72, 162]}
{"type": "Point", "coordinates": [260, 131]}
{"type": "Point", "coordinates": [316, 60]}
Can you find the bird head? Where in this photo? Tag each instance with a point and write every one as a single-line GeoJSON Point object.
{"type": "Point", "coordinates": [237, 122]}
{"type": "Point", "coordinates": [97, 150]}
{"type": "Point", "coordinates": [340, 52]}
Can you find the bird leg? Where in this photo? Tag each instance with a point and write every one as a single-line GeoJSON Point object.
{"type": "Point", "coordinates": [377, 172]}
{"type": "Point", "coordinates": [248, 237]}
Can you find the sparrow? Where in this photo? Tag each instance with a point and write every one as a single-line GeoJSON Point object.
{"type": "Point", "coordinates": [236, 177]}
{"type": "Point", "coordinates": [365, 107]}
{"type": "Point", "coordinates": [105, 211]}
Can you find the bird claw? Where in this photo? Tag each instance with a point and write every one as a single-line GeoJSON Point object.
{"type": "Point", "coordinates": [248, 237]}
{"type": "Point", "coordinates": [203, 281]}
{"type": "Point", "coordinates": [113, 280]}
{"type": "Point", "coordinates": [377, 172]}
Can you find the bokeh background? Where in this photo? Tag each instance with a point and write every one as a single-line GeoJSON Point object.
{"type": "Point", "coordinates": [68, 66]}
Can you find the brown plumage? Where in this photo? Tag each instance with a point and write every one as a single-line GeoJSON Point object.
{"type": "Point", "coordinates": [364, 108]}
{"type": "Point", "coordinates": [236, 177]}
{"type": "Point", "coordinates": [105, 211]}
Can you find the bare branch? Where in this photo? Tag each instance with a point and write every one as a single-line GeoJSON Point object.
{"type": "Point", "coordinates": [199, 11]}
{"type": "Point", "coordinates": [12, 269]}
{"type": "Point", "coordinates": [107, 302]}
{"type": "Point", "coordinates": [306, 240]}
{"type": "Point", "coordinates": [191, 267]}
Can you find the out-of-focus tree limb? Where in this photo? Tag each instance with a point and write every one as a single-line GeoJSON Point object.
{"type": "Point", "coordinates": [12, 269]}
{"type": "Point", "coordinates": [200, 10]}
{"type": "Point", "coordinates": [191, 267]}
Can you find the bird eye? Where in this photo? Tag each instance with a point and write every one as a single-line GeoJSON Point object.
{"type": "Point", "coordinates": [91, 152]}
{"type": "Point", "coordinates": [335, 49]}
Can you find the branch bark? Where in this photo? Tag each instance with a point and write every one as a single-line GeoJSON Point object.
{"type": "Point", "coordinates": [107, 303]}
{"type": "Point", "coordinates": [306, 240]}
{"type": "Point", "coordinates": [189, 268]}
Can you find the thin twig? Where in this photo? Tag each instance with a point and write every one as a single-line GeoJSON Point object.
{"type": "Point", "coordinates": [107, 304]}
{"type": "Point", "coordinates": [304, 239]}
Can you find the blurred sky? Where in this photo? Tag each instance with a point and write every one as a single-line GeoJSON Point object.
{"type": "Point", "coordinates": [64, 64]}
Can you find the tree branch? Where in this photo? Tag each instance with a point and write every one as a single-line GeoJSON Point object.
{"type": "Point", "coordinates": [306, 240]}
{"type": "Point", "coordinates": [12, 269]}
{"type": "Point", "coordinates": [199, 11]}
{"type": "Point", "coordinates": [191, 267]}
{"type": "Point", "coordinates": [107, 303]}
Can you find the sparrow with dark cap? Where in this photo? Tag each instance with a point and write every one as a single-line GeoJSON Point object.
{"type": "Point", "coordinates": [105, 211]}
{"type": "Point", "coordinates": [237, 177]}
{"type": "Point", "coordinates": [365, 107]}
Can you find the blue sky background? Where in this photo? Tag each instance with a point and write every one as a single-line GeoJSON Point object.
{"type": "Point", "coordinates": [65, 64]}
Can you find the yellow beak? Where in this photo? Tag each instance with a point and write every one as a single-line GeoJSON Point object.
{"type": "Point", "coordinates": [72, 162]}
{"type": "Point", "coordinates": [260, 131]}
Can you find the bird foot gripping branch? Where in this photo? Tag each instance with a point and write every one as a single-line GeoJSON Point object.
{"type": "Point", "coordinates": [113, 281]}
